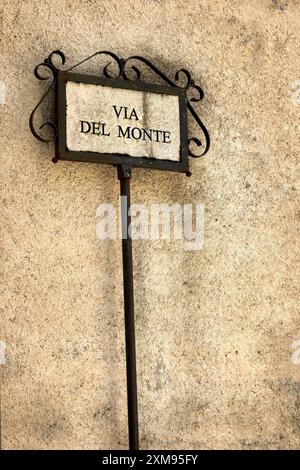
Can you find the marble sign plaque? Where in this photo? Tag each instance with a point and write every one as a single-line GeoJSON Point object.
{"type": "Point", "coordinates": [109, 118]}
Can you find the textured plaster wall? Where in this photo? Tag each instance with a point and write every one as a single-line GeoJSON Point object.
{"type": "Point", "coordinates": [215, 327]}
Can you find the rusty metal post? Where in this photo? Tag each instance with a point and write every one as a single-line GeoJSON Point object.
{"type": "Point", "coordinates": [124, 175]}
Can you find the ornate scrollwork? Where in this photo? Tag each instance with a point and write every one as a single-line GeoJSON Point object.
{"type": "Point", "coordinates": [126, 71]}
{"type": "Point", "coordinates": [188, 85]}
{"type": "Point", "coordinates": [105, 70]}
{"type": "Point", "coordinates": [49, 66]}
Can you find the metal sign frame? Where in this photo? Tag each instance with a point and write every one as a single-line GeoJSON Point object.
{"type": "Point", "coordinates": [125, 71]}
{"type": "Point", "coordinates": [128, 76]}
{"type": "Point", "coordinates": [120, 159]}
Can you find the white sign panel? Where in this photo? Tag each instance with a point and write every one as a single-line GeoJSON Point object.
{"type": "Point", "coordinates": [121, 121]}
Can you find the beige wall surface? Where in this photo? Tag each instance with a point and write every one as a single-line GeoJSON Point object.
{"type": "Point", "coordinates": [217, 329]}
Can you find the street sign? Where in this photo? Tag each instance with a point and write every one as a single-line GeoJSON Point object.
{"type": "Point", "coordinates": [119, 122]}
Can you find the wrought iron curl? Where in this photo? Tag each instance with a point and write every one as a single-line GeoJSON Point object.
{"type": "Point", "coordinates": [186, 74]}
{"type": "Point", "coordinates": [48, 124]}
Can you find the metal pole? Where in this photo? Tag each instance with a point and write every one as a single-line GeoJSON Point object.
{"type": "Point", "coordinates": [124, 175]}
